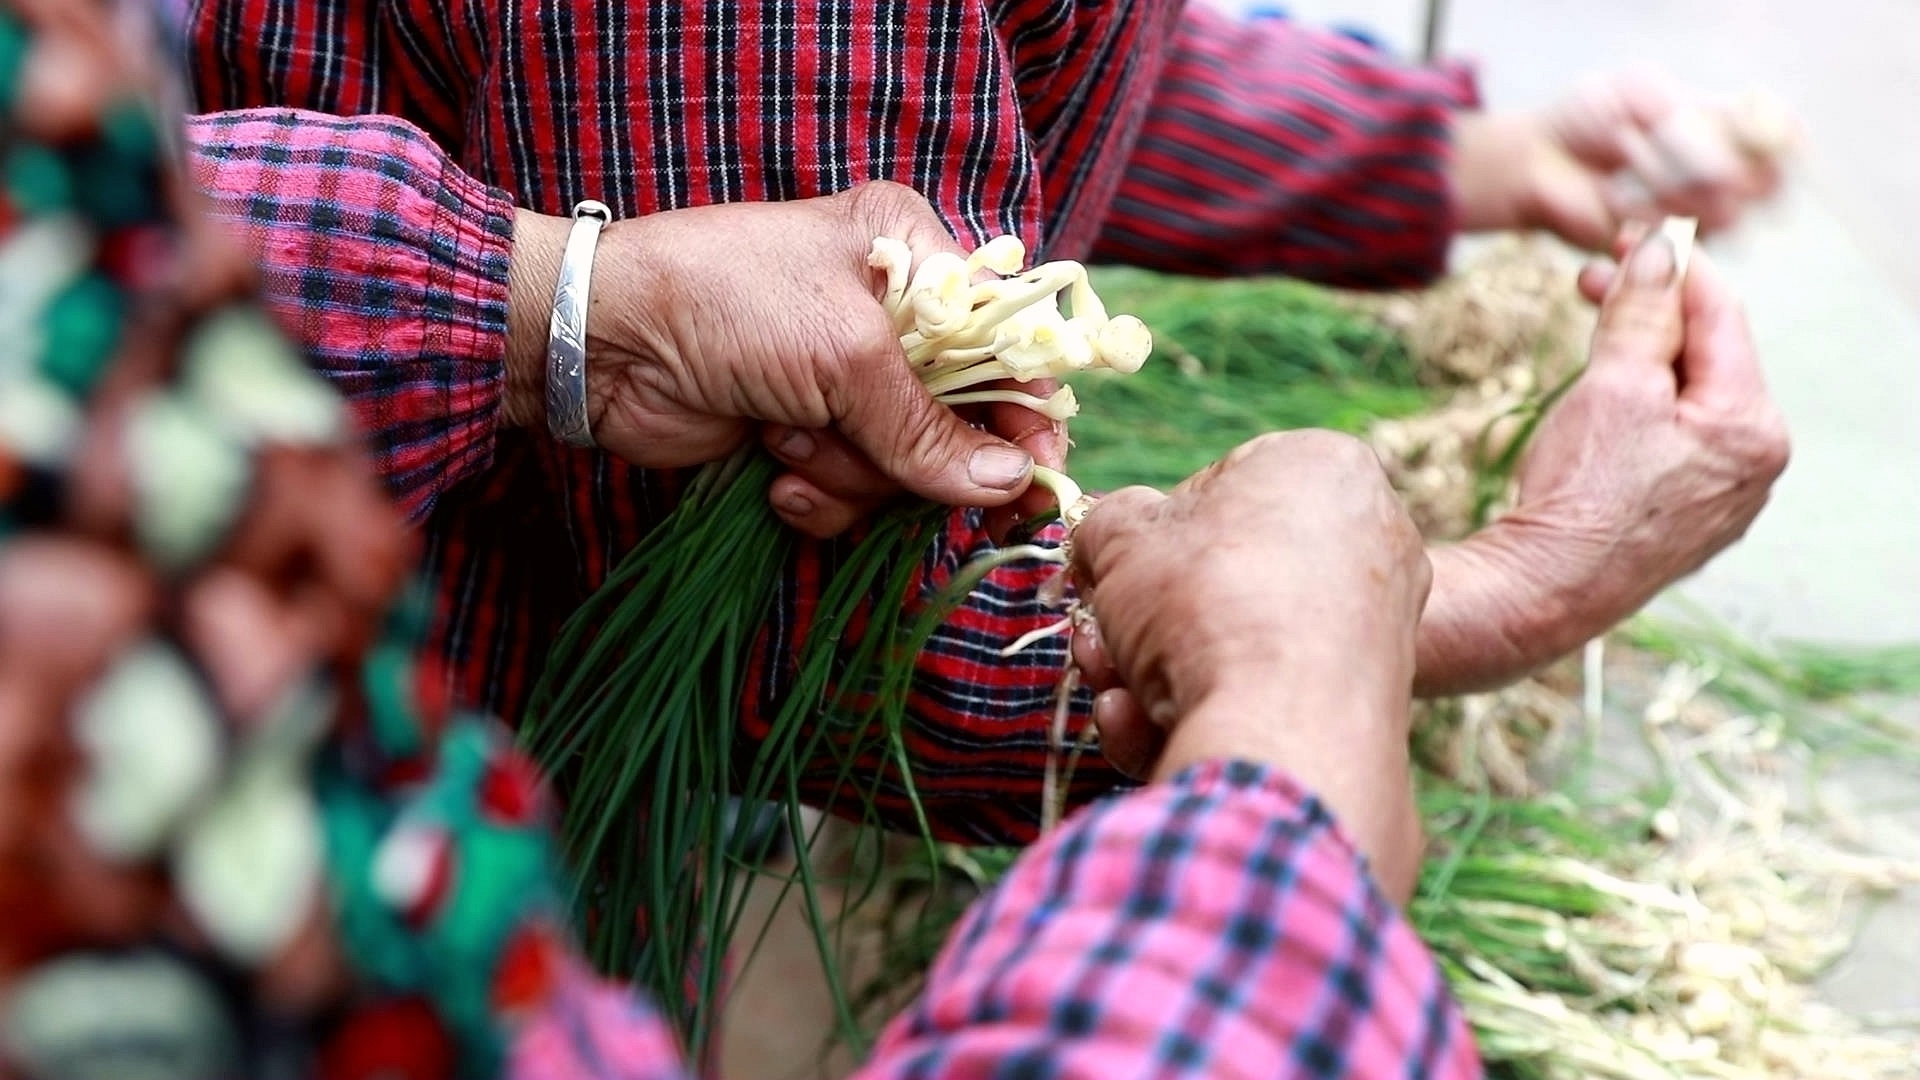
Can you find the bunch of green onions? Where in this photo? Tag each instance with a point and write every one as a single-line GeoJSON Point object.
{"type": "Point", "coordinates": [639, 713]}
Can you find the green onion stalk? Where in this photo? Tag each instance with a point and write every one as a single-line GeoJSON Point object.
{"type": "Point", "coordinates": [638, 714]}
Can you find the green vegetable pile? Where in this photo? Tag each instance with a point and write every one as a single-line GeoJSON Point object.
{"type": "Point", "coordinates": [1232, 360]}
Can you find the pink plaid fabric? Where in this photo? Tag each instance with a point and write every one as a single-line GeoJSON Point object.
{"type": "Point", "coordinates": [1217, 926]}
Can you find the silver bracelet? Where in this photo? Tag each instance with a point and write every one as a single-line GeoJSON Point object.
{"type": "Point", "coordinates": [567, 331]}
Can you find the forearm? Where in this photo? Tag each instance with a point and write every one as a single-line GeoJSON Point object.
{"type": "Point", "coordinates": [388, 264]}
{"type": "Point", "coordinates": [1192, 928]}
{"type": "Point", "coordinates": [1494, 185]}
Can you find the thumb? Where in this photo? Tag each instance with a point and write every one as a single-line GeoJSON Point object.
{"type": "Point", "coordinates": [1640, 317]}
{"type": "Point", "coordinates": [921, 444]}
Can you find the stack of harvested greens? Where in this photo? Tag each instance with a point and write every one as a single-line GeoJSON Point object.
{"type": "Point", "coordinates": [1668, 923]}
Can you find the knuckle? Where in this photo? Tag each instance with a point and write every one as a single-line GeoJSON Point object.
{"type": "Point", "coordinates": [863, 347]}
{"type": "Point", "coordinates": [1757, 444]}
{"type": "Point", "coordinates": [1353, 453]}
{"type": "Point", "coordinates": [833, 381]}
{"type": "Point", "coordinates": [1199, 482]}
{"type": "Point", "coordinates": [1136, 502]}
{"type": "Point", "coordinates": [1103, 546]}
{"type": "Point", "coordinates": [872, 344]}
{"type": "Point", "coordinates": [857, 341]}
{"type": "Point", "coordinates": [1773, 446]}
{"type": "Point", "coordinates": [1418, 571]}
{"type": "Point", "coordinates": [926, 444]}
{"type": "Point", "coordinates": [1270, 445]}
{"type": "Point", "coordinates": [1709, 182]}
{"type": "Point", "coordinates": [885, 190]}
{"type": "Point", "coordinates": [1404, 544]}
{"type": "Point", "coordinates": [1353, 459]}
{"type": "Point", "coordinates": [1326, 448]}
{"type": "Point", "coordinates": [883, 201]}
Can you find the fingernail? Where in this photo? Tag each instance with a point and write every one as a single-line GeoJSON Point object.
{"type": "Point", "coordinates": [1651, 265]}
{"type": "Point", "coordinates": [797, 445]}
{"type": "Point", "coordinates": [1086, 638]}
{"type": "Point", "coordinates": [1002, 468]}
{"type": "Point", "coordinates": [796, 504]}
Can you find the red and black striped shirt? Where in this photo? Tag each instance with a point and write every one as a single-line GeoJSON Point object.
{"type": "Point", "coordinates": [1119, 130]}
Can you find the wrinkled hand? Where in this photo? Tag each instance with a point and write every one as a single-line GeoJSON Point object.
{"type": "Point", "coordinates": [1665, 451]}
{"type": "Point", "coordinates": [1659, 458]}
{"type": "Point", "coordinates": [1264, 611]}
{"type": "Point", "coordinates": [709, 326]}
{"type": "Point", "coordinates": [1628, 147]}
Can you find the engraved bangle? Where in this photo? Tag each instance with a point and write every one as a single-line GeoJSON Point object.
{"type": "Point", "coordinates": [567, 331]}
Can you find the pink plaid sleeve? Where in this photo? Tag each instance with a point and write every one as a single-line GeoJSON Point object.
{"type": "Point", "coordinates": [1272, 148]}
{"type": "Point", "coordinates": [388, 264]}
{"type": "Point", "coordinates": [593, 1030]}
{"type": "Point", "coordinates": [1219, 925]}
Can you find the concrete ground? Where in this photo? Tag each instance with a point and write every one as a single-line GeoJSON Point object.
{"type": "Point", "coordinates": [1832, 278]}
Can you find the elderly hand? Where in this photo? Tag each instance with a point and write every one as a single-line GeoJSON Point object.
{"type": "Point", "coordinates": [1629, 147]}
{"type": "Point", "coordinates": [1659, 458]}
{"type": "Point", "coordinates": [709, 325]}
{"type": "Point", "coordinates": [1264, 611]}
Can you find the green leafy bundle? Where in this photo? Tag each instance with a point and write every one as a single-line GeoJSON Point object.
{"type": "Point", "coordinates": [638, 713]}
{"type": "Point", "coordinates": [1237, 359]}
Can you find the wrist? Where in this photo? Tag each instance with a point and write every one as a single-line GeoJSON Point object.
{"type": "Point", "coordinates": [1271, 705]}
{"type": "Point", "coordinates": [1492, 179]}
{"type": "Point", "coordinates": [1505, 602]}
{"type": "Point", "coordinates": [632, 262]}
{"type": "Point", "coordinates": [1349, 750]}
{"type": "Point", "coordinates": [1304, 733]}
{"type": "Point", "coordinates": [1288, 653]}
{"type": "Point", "coordinates": [532, 273]}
